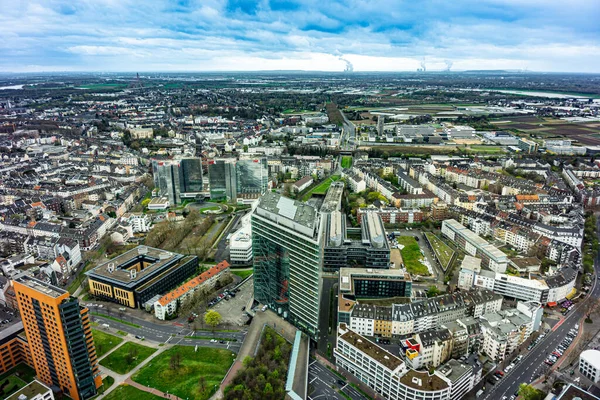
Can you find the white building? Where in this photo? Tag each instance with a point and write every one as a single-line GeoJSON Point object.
{"type": "Point", "coordinates": [469, 269]}
{"type": "Point", "coordinates": [240, 246]}
{"type": "Point", "coordinates": [140, 223]}
{"type": "Point", "coordinates": [167, 305]}
{"type": "Point", "coordinates": [35, 390]}
{"type": "Point", "coordinates": [589, 364]}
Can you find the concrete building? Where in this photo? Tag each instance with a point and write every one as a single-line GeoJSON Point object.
{"type": "Point", "coordinates": [474, 245]}
{"type": "Point", "coordinates": [374, 283]}
{"type": "Point", "coordinates": [469, 268]}
{"type": "Point", "coordinates": [139, 274]}
{"type": "Point", "coordinates": [371, 251]}
{"type": "Point", "coordinates": [589, 364]}
{"type": "Point", "coordinates": [286, 243]}
{"type": "Point", "coordinates": [33, 391]}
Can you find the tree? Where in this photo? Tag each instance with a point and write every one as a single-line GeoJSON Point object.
{"type": "Point", "coordinates": [528, 392]}
{"type": "Point", "coordinates": [433, 291]}
{"type": "Point", "coordinates": [212, 318]}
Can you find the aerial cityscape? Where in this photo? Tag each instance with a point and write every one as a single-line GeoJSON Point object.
{"type": "Point", "coordinates": [292, 200]}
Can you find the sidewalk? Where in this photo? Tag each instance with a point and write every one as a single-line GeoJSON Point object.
{"type": "Point", "coordinates": [151, 390]}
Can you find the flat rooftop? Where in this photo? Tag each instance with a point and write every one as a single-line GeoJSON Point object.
{"type": "Point", "coordinates": [42, 287]}
{"type": "Point", "coordinates": [423, 381]}
{"type": "Point", "coordinates": [377, 353]}
{"type": "Point", "coordinates": [30, 391]}
{"type": "Point", "coordinates": [346, 275]}
{"type": "Point", "coordinates": [135, 264]}
{"type": "Point", "coordinates": [301, 213]}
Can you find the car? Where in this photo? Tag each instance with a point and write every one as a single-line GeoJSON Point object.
{"type": "Point", "coordinates": [512, 397]}
{"type": "Point", "coordinates": [244, 308]}
{"type": "Point", "coordinates": [222, 341]}
{"type": "Point", "coordinates": [491, 381]}
{"type": "Point", "coordinates": [500, 372]}
{"type": "Point", "coordinates": [341, 382]}
{"type": "Point", "coordinates": [139, 337]}
{"type": "Point", "coordinates": [213, 340]}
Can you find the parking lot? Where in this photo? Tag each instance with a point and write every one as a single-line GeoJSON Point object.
{"type": "Point", "coordinates": [7, 317]}
{"type": "Point", "coordinates": [231, 310]}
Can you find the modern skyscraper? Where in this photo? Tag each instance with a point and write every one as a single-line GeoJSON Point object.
{"type": "Point", "coordinates": [232, 179]}
{"type": "Point", "coordinates": [287, 243]}
{"type": "Point", "coordinates": [178, 179]}
{"type": "Point", "coordinates": [60, 338]}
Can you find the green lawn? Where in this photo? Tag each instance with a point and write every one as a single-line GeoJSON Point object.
{"type": "Point", "coordinates": [486, 149]}
{"type": "Point", "coordinates": [130, 393]}
{"type": "Point", "coordinates": [242, 274]}
{"type": "Point", "coordinates": [104, 342]}
{"type": "Point", "coordinates": [322, 187]}
{"type": "Point", "coordinates": [443, 252]}
{"type": "Point", "coordinates": [213, 208]}
{"type": "Point", "coordinates": [106, 383]}
{"type": "Point", "coordinates": [346, 161]}
{"type": "Point", "coordinates": [126, 357]}
{"type": "Point", "coordinates": [10, 385]}
{"type": "Point", "coordinates": [183, 381]}
{"type": "Point", "coordinates": [411, 253]}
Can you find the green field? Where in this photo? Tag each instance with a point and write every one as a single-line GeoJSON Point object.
{"type": "Point", "coordinates": [125, 391]}
{"type": "Point", "coordinates": [126, 357]}
{"type": "Point", "coordinates": [322, 187]}
{"type": "Point", "coordinates": [104, 342]}
{"type": "Point", "coordinates": [207, 363]}
{"type": "Point", "coordinates": [443, 252]}
{"type": "Point", "coordinates": [411, 253]}
{"type": "Point", "coordinates": [23, 371]}
{"type": "Point", "coordinates": [486, 149]}
{"type": "Point", "coordinates": [346, 161]}
{"type": "Point", "coordinates": [242, 274]}
{"type": "Point", "coordinates": [106, 383]}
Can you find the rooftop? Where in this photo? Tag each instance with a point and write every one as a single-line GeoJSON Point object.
{"type": "Point", "coordinates": [377, 353]}
{"type": "Point", "coordinates": [298, 212]}
{"type": "Point", "coordinates": [423, 381]}
{"type": "Point", "coordinates": [42, 287]}
{"type": "Point", "coordinates": [30, 391]}
{"type": "Point", "coordinates": [135, 264]}
{"type": "Point", "coordinates": [347, 274]}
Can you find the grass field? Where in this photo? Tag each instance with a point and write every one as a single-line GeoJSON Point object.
{"type": "Point", "coordinates": [24, 371]}
{"type": "Point", "coordinates": [411, 253]}
{"type": "Point", "coordinates": [183, 381]}
{"type": "Point", "coordinates": [104, 342]}
{"type": "Point", "coordinates": [126, 357]}
{"type": "Point", "coordinates": [322, 187]}
{"type": "Point", "coordinates": [486, 149]}
{"type": "Point", "coordinates": [213, 208]}
{"type": "Point", "coordinates": [443, 252]}
{"type": "Point", "coordinates": [242, 274]}
{"type": "Point", "coordinates": [106, 383]}
{"type": "Point", "coordinates": [346, 161]}
{"type": "Point", "coordinates": [130, 393]}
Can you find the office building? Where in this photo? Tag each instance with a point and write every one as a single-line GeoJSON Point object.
{"type": "Point", "coordinates": [139, 274]}
{"type": "Point", "coordinates": [60, 338]}
{"type": "Point", "coordinates": [286, 243]}
{"type": "Point", "coordinates": [14, 348]}
{"type": "Point", "coordinates": [178, 179]}
{"type": "Point", "coordinates": [589, 364]}
{"type": "Point", "coordinates": [370, 251]}
{"type": "Point", "coordinates": [375, 283]}
{"type": "Point", "coordinates": [231, 179]}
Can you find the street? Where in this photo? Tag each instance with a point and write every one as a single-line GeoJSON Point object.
{"type": "Point", "coordinates": [173, 334]}
{"type": "Point", "coordinates": [532, 364]}
{"type": "Point", "coordinates": [321, 380]}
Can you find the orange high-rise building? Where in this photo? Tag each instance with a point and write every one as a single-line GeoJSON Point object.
{"type": "Point", "coordinates": [59, 337]}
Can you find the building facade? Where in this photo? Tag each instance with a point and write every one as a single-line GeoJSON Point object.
{"type": "Point", "coordinates": [286, 243]}
{"type": "Point", "coordinates": [60, 338]}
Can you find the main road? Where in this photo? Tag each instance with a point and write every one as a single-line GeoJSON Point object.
{"type": "Point", "coordinates": [173, 334]}
{"type": "Point", "coordinates": [532, 365]}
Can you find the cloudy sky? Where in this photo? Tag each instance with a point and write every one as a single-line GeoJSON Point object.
{"type": "Point", "coordinates": [240, 35]}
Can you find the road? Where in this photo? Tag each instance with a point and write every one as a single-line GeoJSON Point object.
{"type": "Point", "coordinates": [532, 365]}
{"type": "Point", "coordinates": [321, 380]}
{"type": "Point", "coordinates": [325, 308]}
{"type": "Point", "coordinates": [173, 334]}
{"type": "Point", "coordinates": [348, 139]}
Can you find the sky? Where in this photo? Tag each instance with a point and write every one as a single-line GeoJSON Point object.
{"type": "Point", "coordinates": [320, 35]}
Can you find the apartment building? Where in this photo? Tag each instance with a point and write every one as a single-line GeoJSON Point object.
{"type": "Point", "coordinates": [59, 337]}
{"type": "Point", "coordinates": [474, 245]}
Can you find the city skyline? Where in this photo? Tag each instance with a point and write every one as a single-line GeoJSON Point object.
{"type": "Point", "coordinates": [300, 35]}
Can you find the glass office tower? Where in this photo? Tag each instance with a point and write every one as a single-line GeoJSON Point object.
{"type": "Point", "coordinates": [231, 179]}
{"type": "Point", "coordinates": [178, 179]}
{"type": "Point", "coordinates": [286, 243]}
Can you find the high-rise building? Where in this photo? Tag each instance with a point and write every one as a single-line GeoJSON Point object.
{"type": "Point", "coordinates": [178, 179]}
{"type": "Point", "coordinates": [232, 179]}
{"type": "Point", "coordinates": [60, 338]}
{"type": "Point", "coordinates": [286, 244]}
